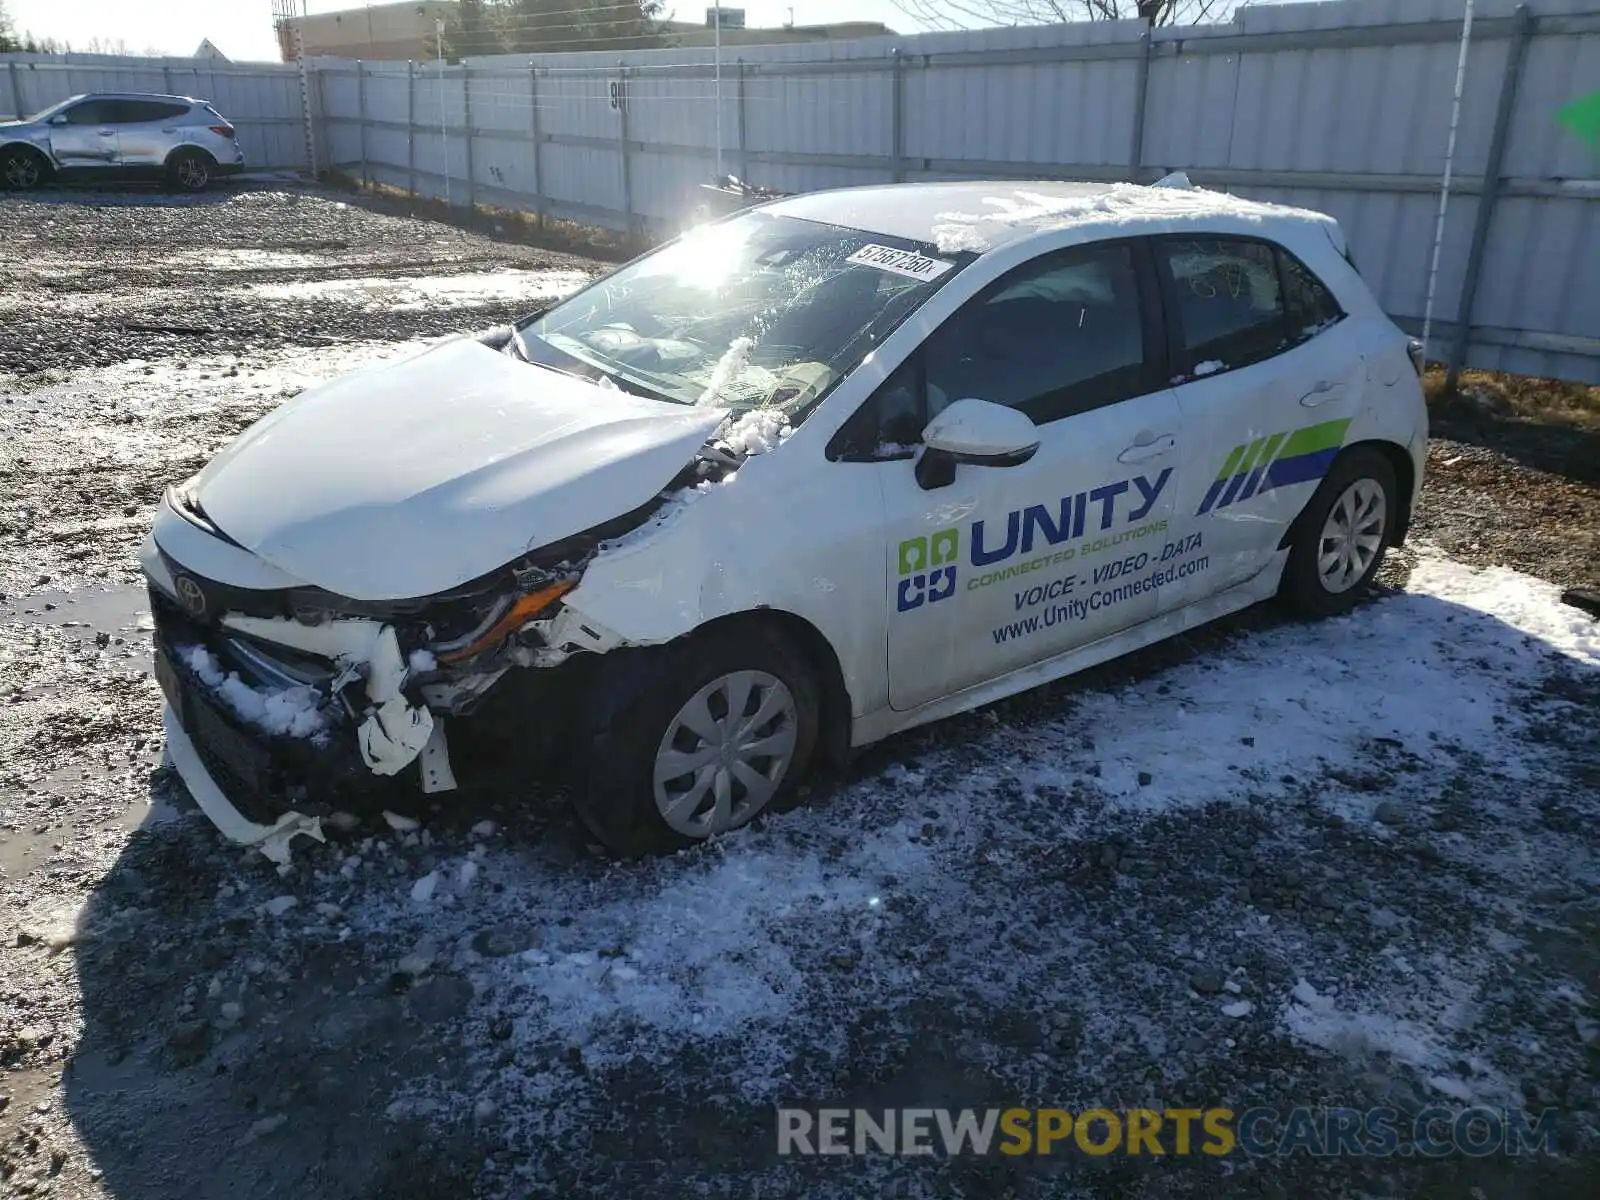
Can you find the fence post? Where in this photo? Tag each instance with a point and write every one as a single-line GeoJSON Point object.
{"type": "Point", "coordinates": [622, 145]}
{"type": "Point", "coordinates": [305, 102]}
{"type": "Point", "coordinates": [166, 79]}
{"type": "Point", "coordinates": [897, 105]}
{"type": "Point", "coordinates": [1488, 192]}
{"type": "Point", "coordinates": [533, 129]}
{"type": "Point", "coordinates": [744, 152]}
{"type": "Point", "coordinates": [322, 117]}
{"type": "Point", "coordinates": [411, 129]}
{"type": "Point", "coordinates": [16, 91]}
{"type": "Point", "coordinates": [361, 112]}
{"type": "Point", "coordinates": [466, 117]}
{"type": "Point", "coordinates": [1140, 100]}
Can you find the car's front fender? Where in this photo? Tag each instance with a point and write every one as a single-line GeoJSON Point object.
{"type": "Point", "coordinates": [809, 544]}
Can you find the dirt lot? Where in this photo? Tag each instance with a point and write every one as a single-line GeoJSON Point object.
{"type": "Point", "coordinates": [1268, 864]}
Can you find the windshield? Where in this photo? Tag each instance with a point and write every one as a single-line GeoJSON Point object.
{"type": "Point", "coordinates": [761, 311]}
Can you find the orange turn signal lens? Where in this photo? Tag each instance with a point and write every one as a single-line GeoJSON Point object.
{"type": "Point", "coordinates": [520, 613]}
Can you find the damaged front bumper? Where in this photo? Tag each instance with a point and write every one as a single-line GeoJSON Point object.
{"type": "Point", "coordinates": [382, 744]}
{"type": "Point", "coordinates": [272, 840]}
{"type": "Point", "coordinates": [262, 788]}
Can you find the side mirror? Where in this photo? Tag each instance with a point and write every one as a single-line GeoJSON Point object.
{"type": "Point", "coordinates": [59, 119]}
{"type": "Point", "coordinates": [977, 433]}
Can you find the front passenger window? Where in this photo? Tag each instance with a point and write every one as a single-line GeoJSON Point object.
{"type": "Point", "coordinates": [90, 112]}
{"type": "Point", "coordinates": [1057, 336]}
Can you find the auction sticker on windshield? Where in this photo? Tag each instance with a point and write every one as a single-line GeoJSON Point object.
{"type": "Point", "coordinates": [900, 262]}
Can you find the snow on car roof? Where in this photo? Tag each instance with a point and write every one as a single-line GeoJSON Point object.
{"type": "Point", "coordinates": [979, 216]}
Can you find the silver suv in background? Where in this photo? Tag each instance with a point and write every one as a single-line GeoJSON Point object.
{"type": "Point", "coordinates": [121, 135]}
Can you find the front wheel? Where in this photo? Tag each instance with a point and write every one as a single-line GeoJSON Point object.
{"type": "Point", "coordinates": [22, 170]}
{"type": "Point", "coordinates": [1340, 539]}
{"type": "Point", "coordinates": [190, 171]}
{"type": "Point", "coordinates": [722, 731]}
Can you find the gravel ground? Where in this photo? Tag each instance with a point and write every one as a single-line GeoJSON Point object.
{"type": "Point", "coordinates": [1268, 863]}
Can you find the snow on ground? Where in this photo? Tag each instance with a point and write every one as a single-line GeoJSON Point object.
{"type": "Point", "coordinates": [432, 292]}
{"type": "Point", "coordinates": [911, 886]}
{"type": "Point", "coordinates": [248, 258]}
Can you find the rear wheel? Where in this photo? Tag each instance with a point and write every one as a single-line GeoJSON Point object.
{"type": "Point", "coordinates": [1340, 538]}
{"type": "Point", "coordinates": [191, 170]}
{"type": "Point", "coordinates": [22, 169]}
{"type": "Point", "coordinates": [723, 731]}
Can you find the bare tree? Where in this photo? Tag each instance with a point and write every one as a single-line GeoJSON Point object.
{"type": "Point", "coordinates": [105, 45]}
{"type": "Point", "coordinates": [967, 14]}
{"type": "Point", "coordinates": [8, 36]}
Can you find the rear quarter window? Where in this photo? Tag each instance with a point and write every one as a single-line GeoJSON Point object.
{"type": "Point", "coordinates": [1310, 305]}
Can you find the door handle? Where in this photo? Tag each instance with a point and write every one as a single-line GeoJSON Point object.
{"type": "Point", "coordinates": [1154, 448]}
{"type": "Point", "coordinates": [108, 133]}
{"type": "Point", "coordinates": [1322, 393]}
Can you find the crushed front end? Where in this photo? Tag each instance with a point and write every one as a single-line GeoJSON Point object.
{"type": "Point", "coordinates": [286, 703]}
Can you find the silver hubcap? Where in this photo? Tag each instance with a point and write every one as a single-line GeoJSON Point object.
{"type": "Point", "coordinates": [1352, 535]}
{"type": "Point", "coordinates": [725, 753]}
{"type": "Point", "coordinates": [192, 173]}
{"type": "Point", "coordinates": [21, 171]}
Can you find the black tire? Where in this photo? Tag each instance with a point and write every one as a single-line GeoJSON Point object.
{"type": "Point", "coordinates": [615, 796]}
{"type": "Point", "coordinates": [1304, 587]}
{"type": "Point", "coordinates": [22, 169]}
{"type": "Point", "coordinates": [191, 171]}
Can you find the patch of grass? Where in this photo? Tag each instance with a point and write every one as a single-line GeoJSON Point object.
{"type": "Point", "coordinates": [1515, 398]}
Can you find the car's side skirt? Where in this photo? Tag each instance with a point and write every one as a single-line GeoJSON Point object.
{"type": "Point", "coordinates": [877, 725]}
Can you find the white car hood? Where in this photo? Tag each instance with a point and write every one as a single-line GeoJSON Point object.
{"type": "Point", "coordinates": [417, 476]}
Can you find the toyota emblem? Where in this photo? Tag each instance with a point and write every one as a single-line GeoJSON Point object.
{"type": "Point", "coordinates": [190, 596]}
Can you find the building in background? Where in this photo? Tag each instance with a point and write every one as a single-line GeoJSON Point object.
{"type": "Point", "coordinates": [382, 32]}
{"type": "Point", "coordinates": [736, 33]}
{"type": "Point", "coordinates": [407, 30]}
{"type": "Point", "coordinates": [208, 51]}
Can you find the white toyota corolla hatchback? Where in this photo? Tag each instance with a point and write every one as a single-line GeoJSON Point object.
{"type": "Point", "coordinates": [832, 467]}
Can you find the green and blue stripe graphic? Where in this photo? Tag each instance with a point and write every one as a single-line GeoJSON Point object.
{"type": "Point", "coordinates": [1277, 460]}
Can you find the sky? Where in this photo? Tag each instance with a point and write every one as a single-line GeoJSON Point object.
{"type": "Point", "coordinates": [242, 29]}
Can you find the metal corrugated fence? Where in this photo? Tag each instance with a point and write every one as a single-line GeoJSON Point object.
{"type": "Point", "coordinates": [1342, 107]}
{"type": "Point", "coordinates": [261, 99]}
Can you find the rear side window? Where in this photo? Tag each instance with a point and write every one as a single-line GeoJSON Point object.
{"type": "Point", "coordinates": [1238, 301]}
{"type": "Point", "coordinates": [139, 112]}
{"type": "Point", "coordinates": [1227, 299]}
